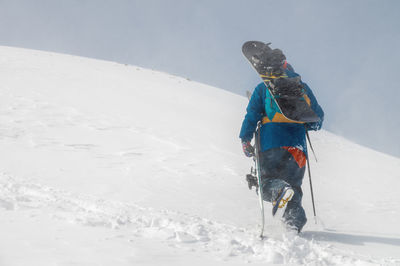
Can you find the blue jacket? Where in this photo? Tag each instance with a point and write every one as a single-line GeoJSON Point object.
{"type": "Point", "coordinates": [276, 131]}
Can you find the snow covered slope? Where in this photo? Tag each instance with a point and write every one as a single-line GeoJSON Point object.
{"type": "Point", "coordinates": [103, 163]}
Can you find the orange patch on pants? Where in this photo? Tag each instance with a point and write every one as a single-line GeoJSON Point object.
{"type": "Point", "coordinates": [298, 155]}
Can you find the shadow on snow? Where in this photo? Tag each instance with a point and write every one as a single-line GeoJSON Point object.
{"type": "Point", "coordinates": [353, 239]}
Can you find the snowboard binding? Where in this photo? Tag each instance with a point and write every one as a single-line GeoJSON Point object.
{"type": "Point", "coordinates": [287, 87]}
{"type": "Point", "coordinates": [268, 61]}
{"type": "Point", "coordinates": [252, 179]}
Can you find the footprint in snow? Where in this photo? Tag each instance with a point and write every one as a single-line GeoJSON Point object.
{"type": "Point", "coordinates": [185, 237]}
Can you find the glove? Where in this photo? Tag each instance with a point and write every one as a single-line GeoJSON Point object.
{"type": "Point", "coordinates": [313, 126]}
{"type": "Point", "coordinates": [248, 149]}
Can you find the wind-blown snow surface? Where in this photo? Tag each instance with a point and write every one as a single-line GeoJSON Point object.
{"type": "Point", "coordinates": [108, 164]}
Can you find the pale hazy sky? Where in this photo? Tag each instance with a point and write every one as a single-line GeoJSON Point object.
{"type": "Point", "coordinates": [347, 51]}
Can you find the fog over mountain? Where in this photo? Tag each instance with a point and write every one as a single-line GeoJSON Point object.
{"type": "Point", "coordinates": [345, 50]}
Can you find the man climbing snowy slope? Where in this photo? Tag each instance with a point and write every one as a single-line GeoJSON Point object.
{"type": "Point", "coordinates": [283, 149]}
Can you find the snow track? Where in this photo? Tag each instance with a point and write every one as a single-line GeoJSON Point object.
{"type": "Point", "coordinates": [178, 229]}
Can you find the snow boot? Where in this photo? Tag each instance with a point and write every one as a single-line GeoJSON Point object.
{"type": "Point", "coordinates": [281, 202]}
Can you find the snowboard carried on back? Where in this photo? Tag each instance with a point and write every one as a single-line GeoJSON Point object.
{"type": "Point", "coordinates": [288, 92]}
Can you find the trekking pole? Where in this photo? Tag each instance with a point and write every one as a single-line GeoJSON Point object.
{"type": "Point", "coordinates": [311, 188]}
{"type": "Point", "coordinates": [260, 193]}
{"type": "Point", "coordinates": [309, 141]}
{"type": "Point", "coordinates": [309, 176]}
